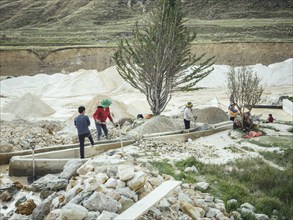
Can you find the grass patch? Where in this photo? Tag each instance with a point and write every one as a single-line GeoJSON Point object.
{"type": "Point", "coordinates": [248, 149]}
{"type": "Point", "coordinates": [283, 159]}
{"type": "Point", "coordinates": [270, 127]}
{"type": "Point", "coordinates": [273, 141]}
{"type": "Point", "coordinates": [267, 204]}
{"type": "Point", "coordinates": [164, 166]}
{"type": "Point", "coordinates": [251, 180]}
{"type": "Point", "coordinates": [234, 149]}
{"type": "Point", "coordinates": [89, 33]}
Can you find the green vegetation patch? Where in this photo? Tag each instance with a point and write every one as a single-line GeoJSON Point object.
{"type": "Point", "coordinates": [251, 180]}
{"type": "Point", "coordinates": [270, 127]}
{"type": "Point", "coordinates": [109, 33]}
{"type": "Point", "coordinates": [164, 166]}
{"type": "Point", "coordinates": [282, 158]}
{"type": "Point", "coordinates": [273, 141]}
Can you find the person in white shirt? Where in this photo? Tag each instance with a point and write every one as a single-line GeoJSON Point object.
{"type": "Point", "coordinates": [188, 115]}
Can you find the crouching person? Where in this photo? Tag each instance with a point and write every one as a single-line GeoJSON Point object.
{"type": "Point", "coordinates": [232, 111]}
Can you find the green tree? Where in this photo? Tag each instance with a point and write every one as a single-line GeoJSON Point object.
{"type": "Point", "coordinates": [158, 60]}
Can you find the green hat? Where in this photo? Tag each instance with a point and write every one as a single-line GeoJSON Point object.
{"type": "Point", "coordinates": [106, 103]}
{"type": "Point", "coordinates": [189, 104]}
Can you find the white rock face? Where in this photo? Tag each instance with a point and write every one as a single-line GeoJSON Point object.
{"type": "Point", "coordinates": [202, 185]}
{"type": "Point", "coordinates": [54, 214]}
{"type": "Point", "coordinates": [125, 172]}
{"type": "Point", "coordinates": [100, 202]}
{"type": "Point", "coordinates": [137, 181]}
{"type": "Point", "coordinates": [73, 211]}
{"type": "Point", "coordinates": [102, 177]}
{"type": "Point", "coordinates": [111, 183]}
{"type": "Point", "coordinates": [70, 168]}
{"type": "Point", "coordinates": [248, 206]}
{"type": "Point", "coordinates": [5, 147]}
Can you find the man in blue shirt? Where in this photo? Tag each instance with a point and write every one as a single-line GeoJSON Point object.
{"type": "Point", "coordinates": [82, 123]}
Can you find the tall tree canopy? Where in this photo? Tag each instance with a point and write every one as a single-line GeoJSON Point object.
{"type": "Point", "coordinates": [158, 60]}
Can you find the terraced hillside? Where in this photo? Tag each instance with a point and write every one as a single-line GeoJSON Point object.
{"type": "Point", "coordinates": [100, 22]}
{"type": "Point", "coordinates": [52, 36]}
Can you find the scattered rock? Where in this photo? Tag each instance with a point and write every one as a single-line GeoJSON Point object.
{"type": "Point", "coordinates": [26, 208]}
{"type": "Point", "coordinates": [5, 196]}
{"type": "Point", "coordinates": [70, 168]}
{"type": "Point", "coordinates": [73, 211]}
{"type": "Point", "coordinates": [49, 182]}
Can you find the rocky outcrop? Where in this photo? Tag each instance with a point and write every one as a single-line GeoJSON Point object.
{"type": "Point", "coordinates": [32, 62]}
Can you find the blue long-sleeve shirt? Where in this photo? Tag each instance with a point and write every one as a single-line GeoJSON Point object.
{"type": "Point", "coordinates": [82, 123]}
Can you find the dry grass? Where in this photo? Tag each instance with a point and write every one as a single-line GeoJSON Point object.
{"type": "Point", "coordinates": [97, 22]}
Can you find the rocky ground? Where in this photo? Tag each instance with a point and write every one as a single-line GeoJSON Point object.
{"type": "Point", "coordinates": [106, 185]}
{"type": "Point", "coordinates": [80, 185]}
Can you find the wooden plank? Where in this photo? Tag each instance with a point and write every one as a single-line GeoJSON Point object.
{"type": "Point", "coordinates": [143, 205]}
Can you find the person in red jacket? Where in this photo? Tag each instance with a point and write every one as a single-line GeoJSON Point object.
{"type": "Point", "coordinates": [100, 116]}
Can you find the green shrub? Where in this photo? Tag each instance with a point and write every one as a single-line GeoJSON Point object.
{"type": "Point", "coordinates": [232, 206]}
{"type": "Point", "coordinates": [189, 178]}
{"type": "Point", "coordinates": [247, 216]}
{"type": "Point", "coordinates": [189, 162]}
{"type": "Point", "coordinates": [232, 189]}
{"type": "Point", "coordinates": [267, 205]}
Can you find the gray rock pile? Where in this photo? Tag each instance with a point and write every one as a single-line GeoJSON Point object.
{"type": "Point", "coordinates": [17, 135]}
{"type": "Point", "coordinates": [103, 188]}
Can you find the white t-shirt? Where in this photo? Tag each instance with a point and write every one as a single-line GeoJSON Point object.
{"type": "Point", "coordinates": [188, 114]}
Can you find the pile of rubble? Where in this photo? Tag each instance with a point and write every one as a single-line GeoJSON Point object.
{"type": "Point", "coordinates": [104, 187]}
{"type": "Point", "coordinates": [17, 135]}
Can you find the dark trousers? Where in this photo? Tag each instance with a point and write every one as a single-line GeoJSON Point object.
{"type": "Point", "coordinates": [81, 138]}
{"type": "Point", "coordinates": [186, 124]}
{"type": "Point", "coordinates": [99, 129]}
{"type": "Point", "coordinates": [232, 118]}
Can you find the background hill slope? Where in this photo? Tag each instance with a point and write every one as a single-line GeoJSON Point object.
{"type": "Point", "coordinates": [54, 22]}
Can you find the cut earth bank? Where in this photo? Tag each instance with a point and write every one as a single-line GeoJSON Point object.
{"type": "Point", "coordinates": [54, 60]}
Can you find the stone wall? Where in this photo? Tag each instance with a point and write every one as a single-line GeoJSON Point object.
{"type": "Point", "coordinates": [31, 62]}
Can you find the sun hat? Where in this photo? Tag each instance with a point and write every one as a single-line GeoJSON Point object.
{"type": "Point", "coordinates": [106, 103]}
{"type": "Point", "coordinates": [189, 104]}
